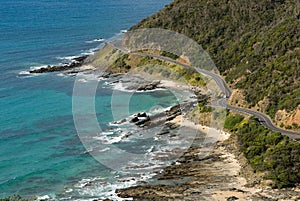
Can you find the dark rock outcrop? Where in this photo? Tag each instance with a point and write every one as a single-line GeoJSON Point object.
{"type": "Point", "coordinates": [140, 119]}
{"type": "Point", "coordinates": [77, 62]}
{"type": "Point", "coordinates": [232, 198]}
{"type": "Point", "coordinates": [148, 86]}
{"type": "Point", "coordinates": [174, 111]}
{"type": "Point", "coordinates": [134, 119]}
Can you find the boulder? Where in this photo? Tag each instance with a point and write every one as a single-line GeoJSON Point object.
{"type": "Point", "coordinates": [134, 119]}
{"type": "Point", "coordinates": [142, 114]}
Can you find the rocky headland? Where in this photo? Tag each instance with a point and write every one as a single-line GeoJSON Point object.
{"type": "Point", "coordinates": [76, 62]}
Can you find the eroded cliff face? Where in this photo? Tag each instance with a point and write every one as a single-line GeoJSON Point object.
{"type": "Point", "coordinates": [237, 99]}
{"type": "Point", "coordinates": [289, 120]}
{"type": "Point", "coordinates": [283, 118]}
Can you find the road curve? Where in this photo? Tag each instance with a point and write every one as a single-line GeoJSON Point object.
{"type": "Point", "coordinates": [264, 119]}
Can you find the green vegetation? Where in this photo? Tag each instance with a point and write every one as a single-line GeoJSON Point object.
{"type": "Point", "coordinates": [170, 55]}
{"type": "Point", "coordinates": [116, 62]}
{"type": "Point", "coordinates": [203, 108]}
{"type": "Point", "coordinates": [206, 115]}
{"type": "Point", "coordinates": [268, 152]}
{"type": "Point", "coordinates": [121, 64]}
{"type": "Point", "coordinates": [255, 42]}
{"type": "Point", "coordinates": [231, 122]}
{"type": "Point", "coordinates": [161, 69]}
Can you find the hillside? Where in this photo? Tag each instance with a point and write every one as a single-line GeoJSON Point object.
{"type": "Point", "coordinates": [255, 45]}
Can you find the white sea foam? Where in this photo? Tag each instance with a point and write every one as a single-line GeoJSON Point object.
{"type": "Point", "coordinates": [43, 197]}
{"type": "Point", "coordinates": [118, 123]}
{"type": "Point", "coordinates": [103, 150]}
{"type": "Point", "coordinates": [133, 173]}
{"type": "Point", "coordinates": [69, 58]}
{"type": "Point", "coordinates": [107, 133]}
{"type": "Point", "coordinates": [85, 77]}
{"type": "Point", "coordinates": [89, 52]}
{"type": "Point", "coordinates": [73, 57]}
{"type": "Point", "coordinates": [85, 181]}
{"type": "Point", "coordinates": [118, 86]}
{"type": "Point", "coordinates": [82, 80]}
{"type": "Point", "coordinates": [96, 40]}
{"type": "Point", "coordinates": [158, 110]}
{"type": "Point", "coordinates": [106, 139]}
{"type": "Point", "coordinates": [24, 73]}
{"type": "Point", "coordinates": [151, 149]}
{"type": "Point", "coordinates": [96, 187]}
{"type": "Point", "coordinates": [38, 67]}
{"type": "Point", "coordinates": [123, 87]}
{"type": "Point", "coordinates": [62, 75]}
{"type": "Point", "coordinates": [104, 190]}
{"type": "Point", "coordinates": [69, 190]}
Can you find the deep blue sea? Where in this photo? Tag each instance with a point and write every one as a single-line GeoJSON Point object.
{"type": "Point", "coordinates": [41, 153]}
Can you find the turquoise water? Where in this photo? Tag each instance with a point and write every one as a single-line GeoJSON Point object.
{"type": "Point", "coordinates": [41, 153]}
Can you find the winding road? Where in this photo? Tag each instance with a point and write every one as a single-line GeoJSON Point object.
{"type": "Point", "coordinates": [264, 119]}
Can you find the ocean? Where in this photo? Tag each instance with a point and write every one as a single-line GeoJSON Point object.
{"type": "Point", "coordinates": [41, 153]}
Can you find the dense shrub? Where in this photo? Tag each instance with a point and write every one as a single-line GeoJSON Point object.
{"type": "Point", "coordinates": [203, 108]}
{"type": "Point", "coordinates": [232, 120]}
{"type": "Point", "coordinates": [255, 42]}
{"type": "Point", "coordinates": [170, 55]}
{"type": "Point", "coordinates": [269, 152]}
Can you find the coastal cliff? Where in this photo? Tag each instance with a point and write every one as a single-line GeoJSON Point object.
{"type": "Point", "coordinates": [254, 44]}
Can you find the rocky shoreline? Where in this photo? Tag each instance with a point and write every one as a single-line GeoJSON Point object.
{"type": "Point", "coordinates": [76, 62]}
{"type": "Point", "coordinates": [218, 176]}
{"type": "Point", "coordinates": [222, 175]}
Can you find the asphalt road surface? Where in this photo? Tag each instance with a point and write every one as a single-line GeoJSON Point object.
{"type": "Point", "coordinates": [264, 119]}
